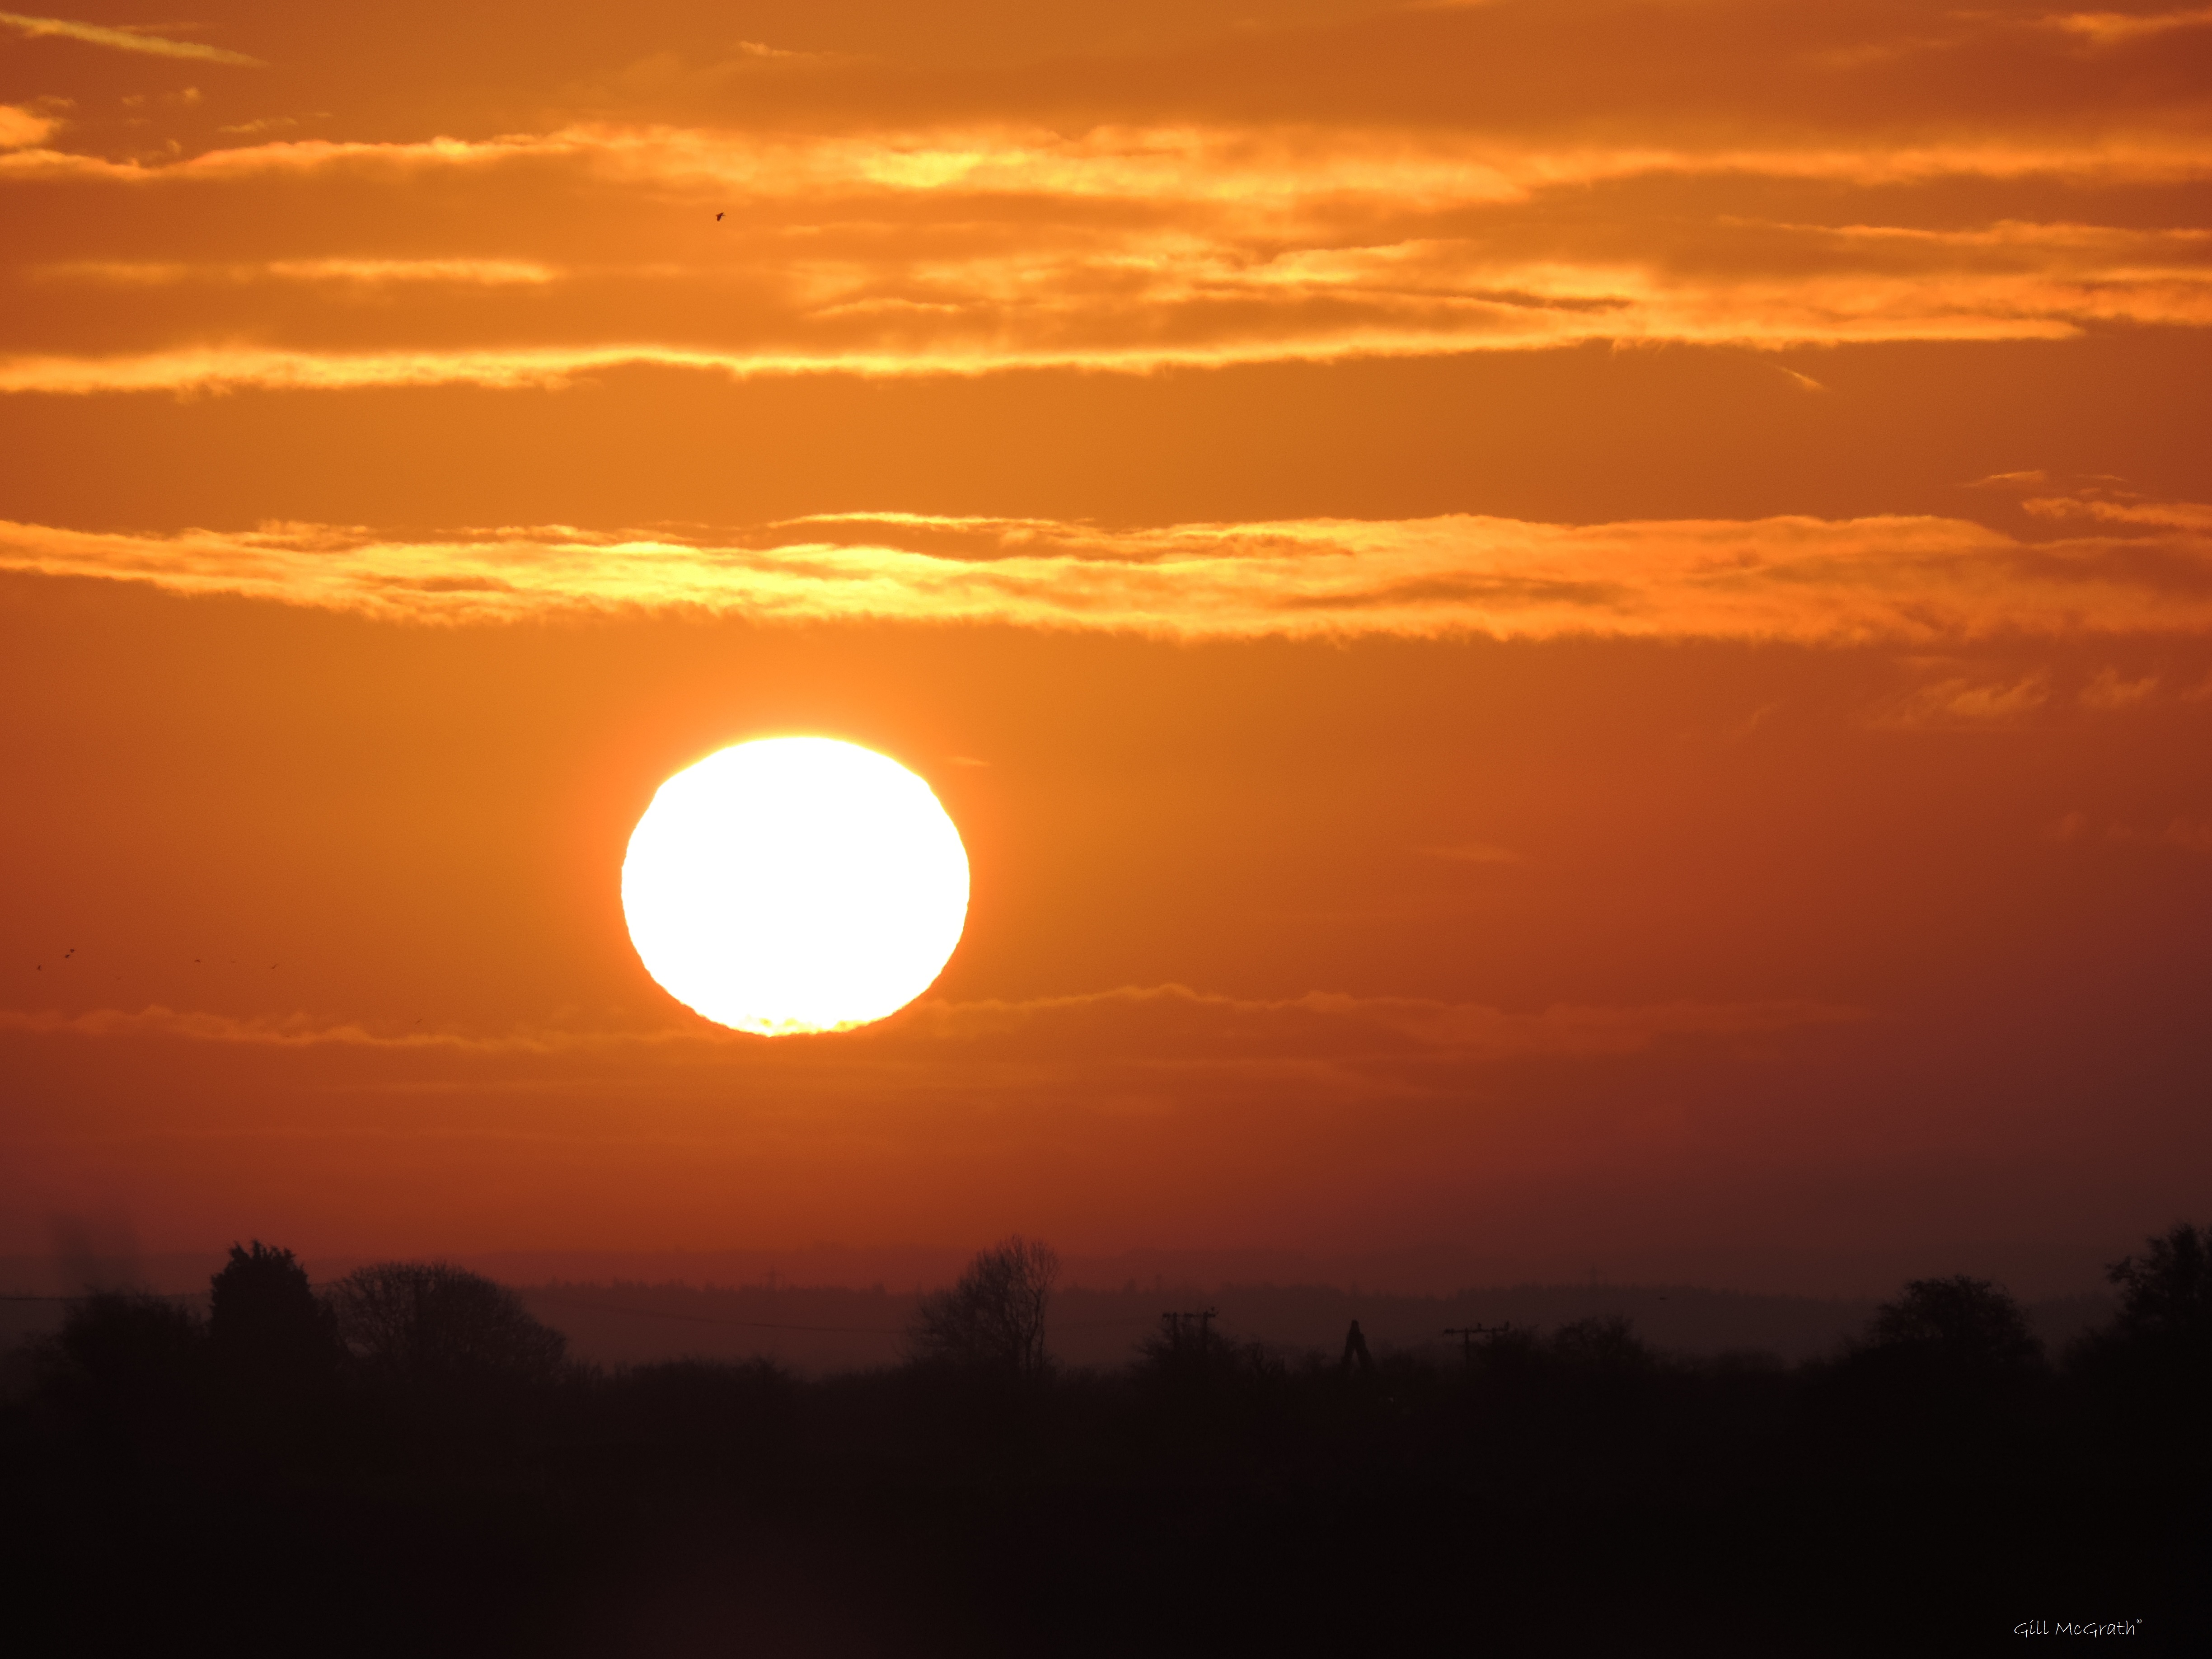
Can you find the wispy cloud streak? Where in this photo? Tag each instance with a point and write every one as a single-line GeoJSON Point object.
{"type": "Point", "coordinates": [1253, 168]}
{"type": "Point", "coordinates": [2107, 29]}
{"type": "Point", "coordinates": [1801, 579]}
{"type": "Point", "coordinates": [154, 273]}
{"type": "Point", "coordinates": [1184, 1022]}
{"type": "Point", "coordinates": [963, 250]}
{"type": "Point", "coordinates": [122, 40]}
{"type": "Point", "coordinates": [19, 127]}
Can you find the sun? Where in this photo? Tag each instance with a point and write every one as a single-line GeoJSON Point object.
{"type": "Point", "coordinates": [795, 885]}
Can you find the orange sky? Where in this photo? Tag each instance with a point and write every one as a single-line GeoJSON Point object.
{"type": "Point", "coordinates": [1579, 631]}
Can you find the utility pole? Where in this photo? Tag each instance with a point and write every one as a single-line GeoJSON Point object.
{"type": "Point", "coordinates": [1469, 1335]}
{"type": "Point", "coordinates": [1175, 1325]}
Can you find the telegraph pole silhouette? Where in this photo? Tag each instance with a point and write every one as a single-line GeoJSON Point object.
{"type": "Point", "coordinates": [1177, 1324]}
{"type": "Point", "coordinates": [1468, 1335]}
{"type": "Point", "coordinates": [1355, 1347]}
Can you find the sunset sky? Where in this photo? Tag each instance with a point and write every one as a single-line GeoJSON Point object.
{"type": "Point", "coordinates": [1575, 630]}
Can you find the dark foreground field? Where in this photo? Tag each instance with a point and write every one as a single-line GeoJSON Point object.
{"type": "Point", "coordinates": [279, 1479]}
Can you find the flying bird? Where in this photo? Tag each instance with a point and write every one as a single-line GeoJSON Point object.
{"type": "Point", "coordinates": [718, 218]}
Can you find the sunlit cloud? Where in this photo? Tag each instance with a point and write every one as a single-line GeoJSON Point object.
{"type": "Point", "coordinates": [2166, 515]}
{"type": "Point", "coordinates": [1960, 702]}
{"type": "Point", "coordinates": [954, 252]}
{"type": "Point", "coordinates": [1255, 177]}
{"type": "Point", "coordinates": [2112, 691]}
{"type": "Point", "coordinates": [1160, 319]}
{"type": "Point", "coordinates": [1181, 1025]}
{"type": "Point", "coordinates": [1257, 169]}
{"type": "Point", "coordinates": [19, 127]}
{"type": "Point", "coordinates": [2118, 27]}
{"type": "Point", "coordinates": [149, 273]}
{"type": "Point", "coordinates": [1808, 580]}
{"type": "Point", "coordinates": [1474, 852]}
{"type": "Point", "coordinates": [122, 40]}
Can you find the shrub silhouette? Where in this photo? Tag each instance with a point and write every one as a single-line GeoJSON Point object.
{"type": "Point", "coordinates": [2150, 1371]}
{"type": "Point", "coordinates": [433, 1325]}
{"type": "Point", "coordinates": [993, 1318]}
{"type": "Point", "coordinates": [2166, 1296]}
{"type": "Point", "coordinates": [1967, 1324]}
{"type": "Point", "coordinates": [1191, 1366]}
{"type": "Point", "coordinates": [1185, 1345]}
{"type": "Point", "coordinates": [130, 1374]}
{"type": "Point", "coordinates": [1946, 1372]}
{"type": "Point", "coordinates": [270, 1332]}
{"type": "Point", "coordinates": [1607, 1344]}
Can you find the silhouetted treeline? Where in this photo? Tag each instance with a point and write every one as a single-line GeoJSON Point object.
{"type": "Point", "coordinates": [405, 1460]}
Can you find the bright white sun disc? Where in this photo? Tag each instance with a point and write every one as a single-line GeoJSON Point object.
{"type": "Point", "coordinates": [795, 885]}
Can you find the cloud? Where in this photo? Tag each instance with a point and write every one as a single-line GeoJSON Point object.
{"type": "Point", "coordinates": [1155, 1028]}
{"type": "Point", "coordinates": [19, 127]}
{"type": "Point", "coordinates": [2069, 827]}
{"type": "Point", "coordinates": [1960, 702]}
{"type": "Point", "coordinates": [1805, 580]}
{"type": "Point", "coordinates": [2183, 833]}
{"type": "Point", "coordinates": [1152, 313]}
{"type": "Point", "coordinates": [2190, 835]}
{"type": "Point", "coordinates": [760, 49]}
{"type": "Point", "coordinates": [2163, 515]}
{"type": "Point", "coordinates": [1182, 1024]}
{"type": "Point", "coordinates": [122, 40]}
{"type": "Point", "coordinates": [2110, 693]}
{"type": "Point", "coordinates": [1257, 169]}
{"type": "Point", "coordinates": [151, 273]}
{"type": "Point", "coordinates": [2107, 29]}
{"type": "Point", "coordinates": [295, 1032]}
{"type": "Point", "coordinates": [1474, 852]}
{"type": "Point", "coordinates": [966, 250]}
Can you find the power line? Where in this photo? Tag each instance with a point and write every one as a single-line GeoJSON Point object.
{"type": "Point", "coordinates": [717, 1319]}
{"type": "Point", "coordinates": [1469, 1335]}
{"type": "Point", "coordinates": [159, 1296]}
{"type": "Point", "coordinates": [652, 1313]}
{"type": "Point", "coordinates": [770, 1325]}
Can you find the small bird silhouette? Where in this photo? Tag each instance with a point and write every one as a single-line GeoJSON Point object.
{"type": "Point", "coordinates": [718, 218]}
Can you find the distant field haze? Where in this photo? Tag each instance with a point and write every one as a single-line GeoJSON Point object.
{"type": "Point", "coordinates": [1104, 1311]}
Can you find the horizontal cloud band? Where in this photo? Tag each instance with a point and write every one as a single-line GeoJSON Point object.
{"type": "Point", "coordinates": [1801, 579]}
{"type": "Point", "coordinates": [966, 249]}
{"type": "Point", "coordinates": [1180, 1024]}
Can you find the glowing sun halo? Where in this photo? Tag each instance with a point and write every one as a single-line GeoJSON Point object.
{"type": "Point", "coordinates": [795, 885]}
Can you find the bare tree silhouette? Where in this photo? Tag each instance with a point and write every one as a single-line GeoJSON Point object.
{"type": "Point", "coordinates": [429, 1323]}
{"type": "Point", "coordinates": [1967, 1326]}
{"type": "Point", "coordinates": [994, 1317]}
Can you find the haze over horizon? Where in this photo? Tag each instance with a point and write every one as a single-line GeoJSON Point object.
{"type": "Point", "coordinates": [1563, 636]}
